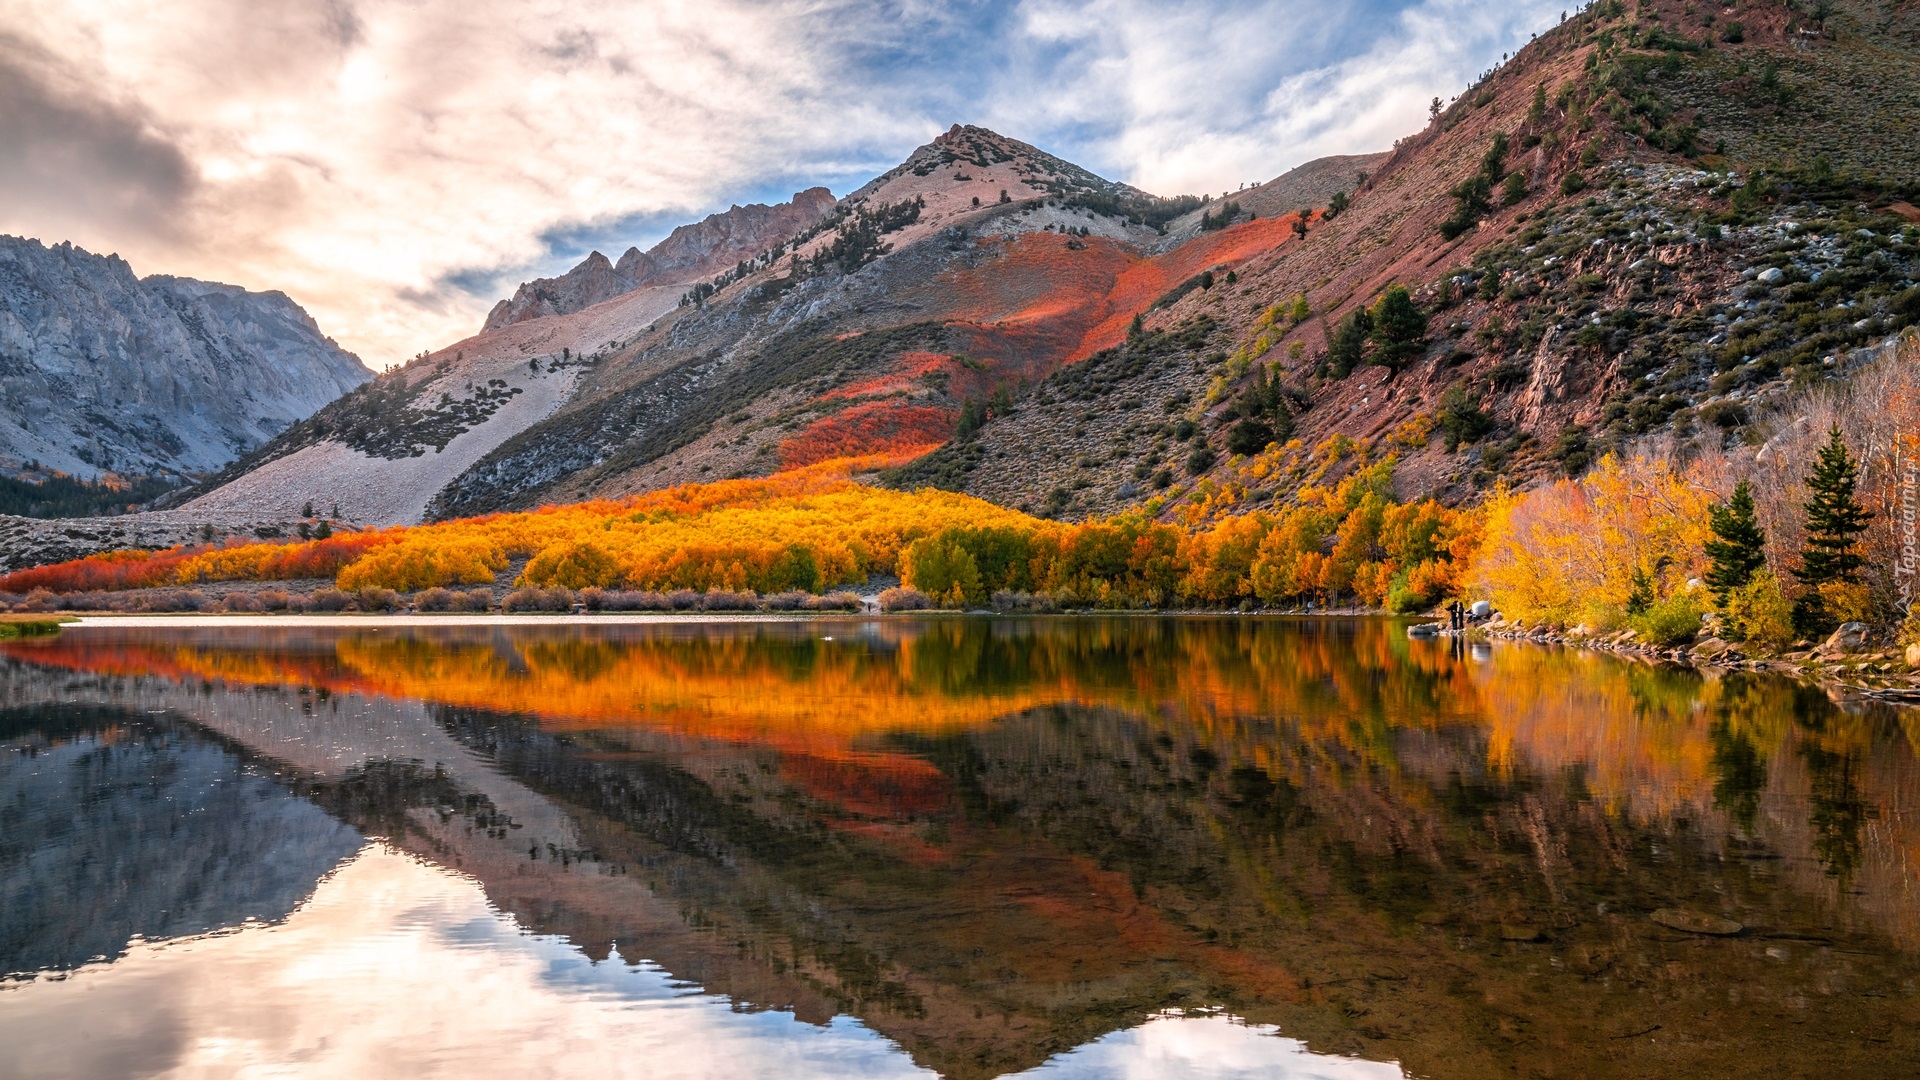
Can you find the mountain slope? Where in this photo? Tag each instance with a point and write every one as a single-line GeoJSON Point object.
{"type": "Point", "coordinates": [382, 454]}
{"type": "Point", "coordinates": [541, 408]}
{"type": "Point", "coordinates": [101, 371]}
{"type": "Point", "coordinates": [1625, 290]}
{"type": "Point", "coordinates": [978, 263]}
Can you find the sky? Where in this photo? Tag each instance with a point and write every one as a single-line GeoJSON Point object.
{"type": "Point", "coordinates": [397, 166]}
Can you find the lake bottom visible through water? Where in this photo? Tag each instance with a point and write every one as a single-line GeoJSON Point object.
{"type": "Point", "coordinates": [1201, 847]}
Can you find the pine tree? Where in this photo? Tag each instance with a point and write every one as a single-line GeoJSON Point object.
{"type": "Point", "coordinates": [1398, 326]}
{"type": "Point", "coordinates": [1738, 549]}
{"type": "Point", "coordinates": [1349, 344]}
{"type": "Point", "coordinates": [1834, 518]}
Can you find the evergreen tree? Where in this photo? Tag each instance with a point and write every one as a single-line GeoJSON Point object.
{"type": "Point", "coordinates": [1349, 344]}
{"type": "Point", "coordinates": [1738, 549]}
{"type": "Point", "coordinates": [1834, 520]}
{"type": "Point", "coordinates": [1399, 327]}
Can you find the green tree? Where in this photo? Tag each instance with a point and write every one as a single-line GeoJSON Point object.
{"type": "Point", "coordinates": [1302, 310]}
{"type": "Point", "coordinates": [1399, 327]}
{"type": "Point", "coordinates": [973, 414]}
{"type": "Point", "coordinates": [1834, 517]}
{"type": "Point", "coordinates": [1738, 549]}
{"type": "Point", "coordinates": [1337, 205]}
{"type": "Point", "coordinates": [1249, 437]}
{"type": "Point", "coordinates": [1514, 190]}
{"type": "Point", "coordinates": [1349, 345]}
{"type": "Point", "coordinates": [1461, 421]}
{"type": "Point", "coordinates": [1834, 521]}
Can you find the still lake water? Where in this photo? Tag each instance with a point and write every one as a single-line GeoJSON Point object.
{"type": "Point", "coordinates": [964, 847]}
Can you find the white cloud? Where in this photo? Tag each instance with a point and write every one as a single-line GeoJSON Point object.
{"type": "Point", "coordinates": [1204, 97]}
{"type": "Point", "coordinates": [359, 156]}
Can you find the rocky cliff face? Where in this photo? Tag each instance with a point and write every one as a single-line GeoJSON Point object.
{"type": "Point", "coordinates": [103, 371]}
{"type": "Point", "coordinates": [691, 252]}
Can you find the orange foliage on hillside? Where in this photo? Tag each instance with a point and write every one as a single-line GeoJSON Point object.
{"type": "Point", "coordinates": [899, 429]}
{"type": "Point", "coordinates": [814, 528]}
{"type": "Point", "coordinates": [1045, 302]}
{"type": "Point", "coordinates": [1153, 278]}
{"type": "Point", "coordinates": [233, 561]}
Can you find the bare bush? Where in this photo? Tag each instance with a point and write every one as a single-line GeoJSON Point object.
{"type": "Point", "coordinates": [728, 600]}
{"type": "Point", "coordinates": [902, 598]}
{"type": "Point", "coordinates": [597, 599]}
{"type": "Point", "coordinates": [372, 600]}
{"type": "Point", "coordinates": [1023, 602]}
{"type": "Point", "coordinates": [329, 600]}
{"type": "Point", "coordinates": [438, 600]}
{"type": "Point", "coordinates": [272, 599]}
{"type": "Point", "coordinates": [791, 600]}
{"type": "Point", "coordinates": [839, 601]}
{"type": "Point", "coordinates": [243, 603]}
{"type": "Point", "coordinates": [683, 599]}
{"type": "Point", "coordinates": [535, 599]}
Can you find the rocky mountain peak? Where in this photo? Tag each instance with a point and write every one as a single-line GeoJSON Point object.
{"type": "Point", "coordinates": [689, 253]}
{"type": "Point", "coordinates": [102, 371]}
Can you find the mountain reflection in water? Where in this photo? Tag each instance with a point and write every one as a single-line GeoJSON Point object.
{"type": "Point", "coordinates": [1207, 847]}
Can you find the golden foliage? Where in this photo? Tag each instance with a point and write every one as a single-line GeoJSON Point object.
{"type": "Point", "coordinates": [1569, 553]}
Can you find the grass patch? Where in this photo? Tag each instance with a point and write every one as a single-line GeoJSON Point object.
{"type": "Point", "coordinates": [24, 626]}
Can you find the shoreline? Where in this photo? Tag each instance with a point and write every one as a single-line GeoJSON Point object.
{"type": "Point", "coordinates": [362, 620]}
{"type": "Point", "coordinates": [1879, 674]}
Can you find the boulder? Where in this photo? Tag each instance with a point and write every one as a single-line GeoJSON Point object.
{"type": "Point", "coordinates": [1913, 656]}
{"type": "Point", "coordinates": [1711, 649]}
{"type": "Point", "coordinates": [1851, 637]}
{"type": "Point", "coordinates": [1480, 609]}
{"type": "Point", "coordinates": [1424, 630]}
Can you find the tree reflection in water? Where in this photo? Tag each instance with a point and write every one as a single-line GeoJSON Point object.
{"type": "Point", "coordinates": [994, 841]}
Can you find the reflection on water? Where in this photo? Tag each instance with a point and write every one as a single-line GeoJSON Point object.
{"type": "Point", "coordinates": [972, 847]}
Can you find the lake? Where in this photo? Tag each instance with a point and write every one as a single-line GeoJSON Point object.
{"type": "Point", "coordinates": [965, 847]}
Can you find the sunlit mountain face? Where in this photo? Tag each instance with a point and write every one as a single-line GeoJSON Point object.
{"type": "Point", "coordinates": [1197, 846]}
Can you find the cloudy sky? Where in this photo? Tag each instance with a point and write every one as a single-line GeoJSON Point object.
{"type": "Point", "coordinates": [398, 165]}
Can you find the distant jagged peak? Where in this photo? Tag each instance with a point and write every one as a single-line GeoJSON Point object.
{"type": "Point", "coordinates": [689, 253]}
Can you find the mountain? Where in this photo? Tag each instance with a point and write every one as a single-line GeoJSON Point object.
{"type": "Point", "coordinates": [691, 252]}
{"type": "Point", "coordinates": [1650, 221]}
{"type": "Point", "coordinates": [103, 371]}
{"type": "Point", "coordinates": [647, 373]}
